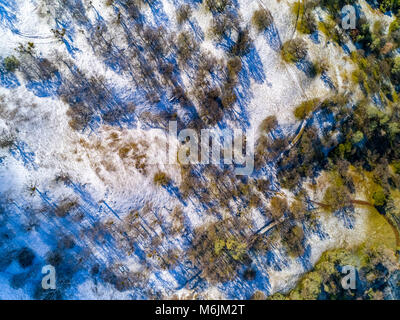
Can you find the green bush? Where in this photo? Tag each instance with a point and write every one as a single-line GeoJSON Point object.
{"type": "Point", "coordinates": [357, 137]}
{"type": "Point", "coordinates": [161, 179]}
{"type": "Point", "coordinates": [319, 66]}
{"type": "Point", "coordinates": [363, 35]}
{"type": "Point", "coordinates": [389, 5]}
{"type": "Point", "coordinates": [294, 50]}
{"type": "Point", "coordinates": [11, 63]}
{"type": "Point", "coordinates": [304, 17]}
{"type": "Point", "coordinates": [394, 32]}
{"type": "Point", "coordinates": [330, 30]}
{"type": "Point", "coordinates": [334, 7]}
{"type": "Point", "coordinates": [336, 197]}
{"type": "Point", "coordinates": [394, 25]}
{"type": "Point", "coordinates": [396, 68]}
{"type": "Point", "coordinates": [305, 108]}
{"type": "Point", "coordinates": [307, 23]}
{"type": "Point", "coordinates": [379, 197]}
{"type": "Point", "coordinates": [396, 166]}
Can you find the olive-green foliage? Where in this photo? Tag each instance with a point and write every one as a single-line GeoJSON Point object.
{"type": "Point", "coordinates": [396, 166]}
{"type": "Point", "coordinates": [331, 30]}
{"type": "Point", "coordinates": [28, 48]}
{"type": "Point", "coordinates": [305, 108]}
{"type": "Point", "coordinates": [389, 5]}
{"type": "Point", "coordinates": [336, 197]}
{"type": "Point", "coordinates": [380, 133]}
{"type": "Point", "coordinates": [394, 25]}
{"type": "Point", "coordinates": [378, 36]}
{"type": "Point", "coordinates": [324, 281]}
{"type": "Point", "coordinates": [374, 74]}
{"type": "Point", "coordinates": [334, 7]}
{"type": "Point", "coordinates": [11, 63]}
{"type": "Point", "coordinates": [218, 249]}
{"type": "Point", "coordinates": [294, 50]}
{"type": "Point", "coordinates": [358, 137]}
{"type": "Point", "coordinates": [394, 33]}
{"type": "Point", "coordinates": [306, 22]}
{"type": "Point", "coordinates": [278, 207]}
{"type": "Point", "coordinates": [363, 36]}
{"type": "Point", "coordinates": [379, 196]}
{"type": "Point", "coordinates": [161, 179]}
{"type": "Point", "coordinates": [396, 69]}
{"type": "Point", "coordinates": [320, 66]}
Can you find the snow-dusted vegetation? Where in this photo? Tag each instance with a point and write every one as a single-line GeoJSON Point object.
{"type": "Point", "coordinates": [88, 90]}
